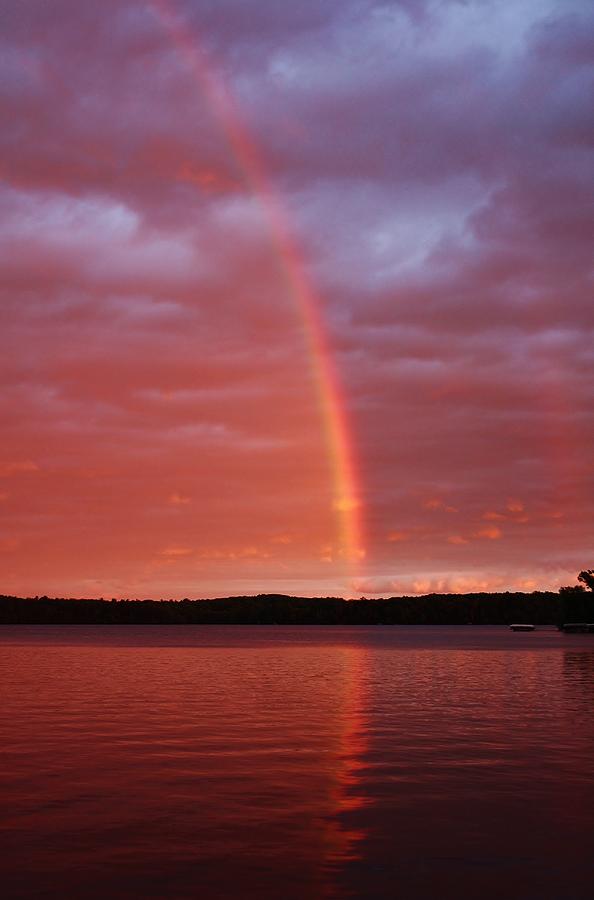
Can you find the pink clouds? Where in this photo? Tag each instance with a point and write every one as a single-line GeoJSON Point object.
{"type": "Point", "coordinates": [435, 164]}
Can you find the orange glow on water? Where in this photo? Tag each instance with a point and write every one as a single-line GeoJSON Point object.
{"type": "Point", "coordinates": [353, 738]}
{"type": "Point", "coordinates": [331, 401]}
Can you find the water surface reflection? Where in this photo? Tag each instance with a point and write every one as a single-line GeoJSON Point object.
{"type": "Point", "coordinates": [296, 763]}
{"type": "Point", "coordinates": [173, 771]}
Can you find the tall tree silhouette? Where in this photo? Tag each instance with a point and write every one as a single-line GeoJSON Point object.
{"type": "Point", "coordinates": [587, 577]}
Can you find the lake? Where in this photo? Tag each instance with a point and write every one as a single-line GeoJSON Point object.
{"type": "Point", "coordinates": [296, 762]}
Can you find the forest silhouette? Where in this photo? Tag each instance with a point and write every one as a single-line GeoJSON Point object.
{"type": "Point", "coordinates": [570, 604]}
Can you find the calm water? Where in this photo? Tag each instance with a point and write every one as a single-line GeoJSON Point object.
{"type": "Point", "coordinates": [274, 762]}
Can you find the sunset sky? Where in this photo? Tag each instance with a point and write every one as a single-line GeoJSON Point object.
{"type": "Point", "coordinates": [296, 296]}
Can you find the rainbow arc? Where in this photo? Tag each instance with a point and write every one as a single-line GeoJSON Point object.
{"type": "Point", "coordinates": [338, 440]}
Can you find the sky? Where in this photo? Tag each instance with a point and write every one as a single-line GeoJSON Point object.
{"type": "Point", "coordinates": [295, 297]}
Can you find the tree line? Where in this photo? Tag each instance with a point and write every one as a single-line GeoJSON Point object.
{"type": "Point", "coordinates": [541, 608]}
{"type": "Point", "coordinates": [571, 604]}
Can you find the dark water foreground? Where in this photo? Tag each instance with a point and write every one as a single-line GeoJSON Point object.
{"type": "Point", "coordinates": [278, 762]}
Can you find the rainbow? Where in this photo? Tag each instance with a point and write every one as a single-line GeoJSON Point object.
{"type": "Point", "coordinates": [346, 492]}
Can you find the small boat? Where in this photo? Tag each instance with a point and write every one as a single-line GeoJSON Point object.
{"type": "Point", "coordinates": [517, 627]}
{"type": "Point", "coordinates": [578, 628]}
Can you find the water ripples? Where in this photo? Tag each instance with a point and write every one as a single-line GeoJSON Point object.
{"type": "Point", "coordinates": [296, 763]}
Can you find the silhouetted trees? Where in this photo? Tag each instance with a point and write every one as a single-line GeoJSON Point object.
{"type": "Point", "coordinates": [587, 577]}
{"type": "Point", "coordinates": [571, 604]}
{"type": "Point", "coordinates": [539, 607]}
{"type": "Point", "coordinates": [577, 603]}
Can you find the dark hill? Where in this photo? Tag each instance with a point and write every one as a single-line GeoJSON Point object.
{"type": "Point", "coordinates": [539, 607]}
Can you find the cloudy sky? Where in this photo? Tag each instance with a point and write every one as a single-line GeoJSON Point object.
{"type": "Point", "coordinates": [227, 224]}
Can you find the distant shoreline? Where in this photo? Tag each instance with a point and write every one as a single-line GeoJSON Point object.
{"type": "Point", "coordinates": [538, 608]}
